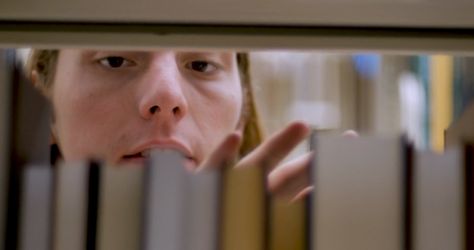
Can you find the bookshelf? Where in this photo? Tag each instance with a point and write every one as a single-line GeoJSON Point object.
{"type": "Point", "coordinates": [347, 26]}
{"type": "Point", "coordinates": [344, 25]}
{"type": "Point", "coordinates": [380, 13]}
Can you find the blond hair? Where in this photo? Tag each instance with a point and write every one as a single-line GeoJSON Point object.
{"type": "Point", "coordinates": [43, 64]}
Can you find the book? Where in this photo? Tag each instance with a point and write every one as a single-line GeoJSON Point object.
{"type": "Point", "coordinates": [468, 160]}
{"type": "Point", "coordinates": [26, 141]}
{"type": "Point", "coordinates": [5, 106]}
{"type": "Point", "coordinates": [119, 223]}
{"type": "Point", "coordinates": [98, 207]}
{"type": "Point", "coordinates": [70, 206]}
{"type": "Point", "coordinates": [438, 200]}
{"type": "Point", "coordinates": [36, 207]}
{"type": "Point", "coordinates": [359, 198]}
{"type": "Point", "coordinates": [287, 225]}
{"type": "Point", "coordinates": [441, 98]}
{"type": "Point", "coordinates": [181, 208]}
{"type": "Point", "coordinates": [245, 211]}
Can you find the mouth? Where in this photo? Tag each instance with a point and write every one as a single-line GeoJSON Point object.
{"type": "Point", "coordinates": [140, 158]}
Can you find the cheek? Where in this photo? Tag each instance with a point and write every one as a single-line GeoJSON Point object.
{"type": "Point", "coordinates": [84, 122]}
{"type": "Point", "coordinates": [226, 110]}
{"type": "Point", "coordinates": [234, 108]}
{"type": "Point", "coordinates": [218, 116]}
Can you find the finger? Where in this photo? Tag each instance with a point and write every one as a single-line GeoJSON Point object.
{"type": "Point", "coordinates": [225, 153]}
{"type": "Point", "coordinates": [289, 179]}
{"type": "Point", "coordinates": [277, 147]}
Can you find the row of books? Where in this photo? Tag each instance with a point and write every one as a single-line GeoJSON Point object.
{"type": "Point", "coordinates": [370, 193]}
{"type": "Point", "coordinates": [160, 206]}
{"type": "Point", "coordinates": [379, 193]}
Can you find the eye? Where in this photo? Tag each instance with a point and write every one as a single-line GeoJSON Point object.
{"type": "Point", "coordinates": [201, 66]}
{"type": "Point", "coordinates": [115, 62]}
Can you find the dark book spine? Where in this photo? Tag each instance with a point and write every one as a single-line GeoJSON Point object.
{"type": "Point", "coordinates": [469, 192]}
{"type": "Point", "coordinates": [13, 162]}
{"type": "Point", "coordinates": [92, 205]}
{"type": "Point", "coordinates": [13, 208]}
{"type": "Point", "coordinates": [407, 184]}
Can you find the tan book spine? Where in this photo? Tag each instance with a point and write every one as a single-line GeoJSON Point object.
{"type": "Point", "coordinates": [244, 221]}
{"type": "Point", "coordinates": [120, 208]}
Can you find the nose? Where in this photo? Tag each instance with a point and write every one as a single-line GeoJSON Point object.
{"type": "Point", "coordinates": [162, 95]}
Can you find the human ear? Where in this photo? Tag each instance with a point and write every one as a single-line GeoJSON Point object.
{"type": "Point", "coordinates": [34, 77]}
{"type": "Point", "coordinates": [37, 81]}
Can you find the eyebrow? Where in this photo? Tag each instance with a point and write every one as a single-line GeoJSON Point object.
{"type": "Point", "coordinates": [226, 56]}
{"type": "Point", "coordinates": [121, 52]}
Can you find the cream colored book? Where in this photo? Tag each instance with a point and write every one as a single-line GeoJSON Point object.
{"type": "Point", "coordinates": [358, 198]}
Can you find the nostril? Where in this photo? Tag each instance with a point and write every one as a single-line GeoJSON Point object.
{"type": "Point", "coordinates": [154, 109]}
{"type": "Point", "coordinates": [176, 110]}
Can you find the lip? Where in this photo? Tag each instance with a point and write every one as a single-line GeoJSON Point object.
{"type": "Point", "coordinates": [160, 145]}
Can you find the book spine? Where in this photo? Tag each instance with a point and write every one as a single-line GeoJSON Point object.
{"type": "Point", "coordinates": [14, 172]}
{"type": "Point", "coordinates": [407, 184]}
{"type": "Point", "coordinates": [5, 107]}
{"type": "Point", "coordinates": [35, 220]}
{"type": "Point", "coordinates": [469, 195]}
{"type": "Point", "coordinates": [441, 72]}
{"type": "Point", "coordinates": [92, 206]}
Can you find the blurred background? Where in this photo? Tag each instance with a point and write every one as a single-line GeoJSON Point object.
{"type": "Point", "coordinates": [419, 95]}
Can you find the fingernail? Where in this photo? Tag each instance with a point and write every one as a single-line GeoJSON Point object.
{"type": "Point", "coordinates": [350, 134]}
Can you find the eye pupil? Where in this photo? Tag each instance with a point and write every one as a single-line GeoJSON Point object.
{"type": "Point", "coordinates": [200, 66]}
{"type": "Point", "coordinates": [115, 61]}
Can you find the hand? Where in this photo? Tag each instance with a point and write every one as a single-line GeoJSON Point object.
{"type": "Point", "coordinates": [290, 179]}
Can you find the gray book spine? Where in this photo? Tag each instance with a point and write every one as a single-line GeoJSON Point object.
{"type": "Point", "coordinates": [35, 218]}
{"type": "Point", "coordinates": [181, 208]}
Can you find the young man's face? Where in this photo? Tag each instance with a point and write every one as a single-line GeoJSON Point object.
{"type": "Point", "coordinates": [117, 105]}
